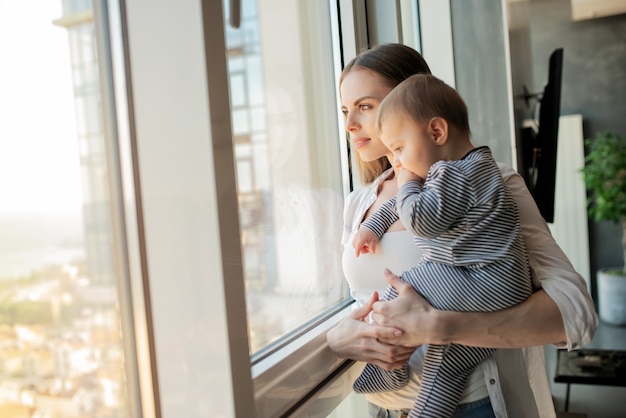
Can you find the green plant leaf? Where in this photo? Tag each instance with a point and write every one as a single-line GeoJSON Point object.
{"type": "Point", "coordinates": [605, 176]}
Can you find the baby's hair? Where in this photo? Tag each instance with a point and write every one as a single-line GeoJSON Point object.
{"type": "Point", "coordinates": [423, 97]}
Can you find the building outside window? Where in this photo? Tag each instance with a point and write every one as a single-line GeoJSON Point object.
{"type": "Point", "coordinates": [61, 345]}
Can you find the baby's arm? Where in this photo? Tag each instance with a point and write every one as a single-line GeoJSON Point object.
{"type": "Point", "coordinates": [365, 241]}
{"type": "Point", "coordinates": [429, 209]}
{"type": "Point", "coordinates": [372, 229]}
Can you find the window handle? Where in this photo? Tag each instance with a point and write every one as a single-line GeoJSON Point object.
{"type": "Point", "coordinates": [235, 13]}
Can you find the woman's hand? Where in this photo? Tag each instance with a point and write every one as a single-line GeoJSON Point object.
{"type": "Point", "coordinates": [356, 339]}
{"type": "Point", "coordinates": [411, 313]}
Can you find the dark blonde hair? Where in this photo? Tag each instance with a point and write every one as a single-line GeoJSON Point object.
{"type": "Point", "coordinates": [423, 97]}
{"type": "Point", "coordinates": [394, 63]}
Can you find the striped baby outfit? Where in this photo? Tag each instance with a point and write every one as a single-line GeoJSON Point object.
{"type": "Point", "coordinates": [466, 223]}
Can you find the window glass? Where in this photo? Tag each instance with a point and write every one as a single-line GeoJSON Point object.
{"type": "Point", "coordinates": [60, 341]}
{"type": "Point", "coordinates": [289, 182]}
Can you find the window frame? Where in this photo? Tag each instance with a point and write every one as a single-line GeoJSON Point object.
{"type": "Point", "coordinates": [186, 373]}
{"type": "Point", "coordinates": [134, 299]}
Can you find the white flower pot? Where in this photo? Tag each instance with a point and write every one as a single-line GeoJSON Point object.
{"type": "Point", "coordinates": [612, 296]}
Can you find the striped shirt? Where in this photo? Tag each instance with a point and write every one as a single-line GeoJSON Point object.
{"type": "Point", "coordinates": [466, 223]}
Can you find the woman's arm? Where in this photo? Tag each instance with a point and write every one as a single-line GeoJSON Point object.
{"type": "Point", "coordinates": [536, 321]}
{"type": "Point", "coordinates": [552, 270]}
{"type": "Point", "coordinates": [356, 339]}
{"type": "Point", "coordinates": [562, 313]}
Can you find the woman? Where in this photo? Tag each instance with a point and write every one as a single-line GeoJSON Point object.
{"type": "Point", "coordinates": [511, 383]}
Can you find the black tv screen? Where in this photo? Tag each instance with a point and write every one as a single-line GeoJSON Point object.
{"type": "Point", "coordinates": [539, 145]}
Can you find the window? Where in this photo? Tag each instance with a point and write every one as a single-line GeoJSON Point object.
{"type": "Point", "coordinates": [61, 351]}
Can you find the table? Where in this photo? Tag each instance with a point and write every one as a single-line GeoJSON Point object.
{"type": "Point", "coordinates": [590, 367]}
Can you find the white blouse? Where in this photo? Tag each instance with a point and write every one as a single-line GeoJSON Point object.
{"type": "Point", "coordinates": [517, 375]}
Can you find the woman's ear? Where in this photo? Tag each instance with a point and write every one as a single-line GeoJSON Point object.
{"type": "Point", "coordinates": [438, 129]}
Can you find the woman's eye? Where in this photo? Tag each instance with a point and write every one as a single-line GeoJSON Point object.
{"type": "Point", "coordinates": [365, 107]}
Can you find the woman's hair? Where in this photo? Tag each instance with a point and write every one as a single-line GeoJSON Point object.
{"type": "Point", "coordinates": [394, 63]}
{"type": "Point", "coordinates": [423, 97]}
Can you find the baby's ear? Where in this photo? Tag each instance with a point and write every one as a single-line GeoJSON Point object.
{"type": "Point", "coordinates": [438, 129]}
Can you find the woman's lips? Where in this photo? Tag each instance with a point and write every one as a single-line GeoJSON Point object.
{"type": "Point", "coordinates": [360, 142]}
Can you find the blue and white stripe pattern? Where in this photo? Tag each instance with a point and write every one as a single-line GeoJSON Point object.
{"type": "Point", "coordinates": [467, 225]}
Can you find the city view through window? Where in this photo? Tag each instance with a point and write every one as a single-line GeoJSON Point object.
{"type": "Point", "coordinates": [60, 339]}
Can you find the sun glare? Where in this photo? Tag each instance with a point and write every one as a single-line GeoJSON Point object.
{"type": "Point", "coordinates": [39, 165]}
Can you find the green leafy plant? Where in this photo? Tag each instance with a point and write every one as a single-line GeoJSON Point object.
{"type": "Point", "coordinates": [605, 177]}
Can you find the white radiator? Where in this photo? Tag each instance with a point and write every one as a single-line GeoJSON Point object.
{"type": "Point", "coordinates": [570, 213]}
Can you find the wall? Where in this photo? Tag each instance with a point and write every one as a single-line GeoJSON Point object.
{"type": "Point", "coordinates": [594, 85]}
{"type": "Point", "coordinates": [482, 70]}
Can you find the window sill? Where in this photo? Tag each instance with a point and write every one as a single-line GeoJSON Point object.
{"type": "Point", "coordinates": [296, 375]}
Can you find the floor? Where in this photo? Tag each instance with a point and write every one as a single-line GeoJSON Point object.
{"type": "Point", "coordinates": [594, 401]}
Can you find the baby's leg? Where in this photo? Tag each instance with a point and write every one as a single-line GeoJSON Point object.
{"type": "Point", "coordinates": [446, 369]}
{"type": "Point", "coordinates": [374, 379]}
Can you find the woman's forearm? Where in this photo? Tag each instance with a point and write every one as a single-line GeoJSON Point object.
{"type": "Point", "coordinates": [536, 321]}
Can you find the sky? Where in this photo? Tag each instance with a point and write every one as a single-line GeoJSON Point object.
{"type": "Point", "coordinates": [39, 165]}
{"type": "Point", "coordinates": [40, 184]}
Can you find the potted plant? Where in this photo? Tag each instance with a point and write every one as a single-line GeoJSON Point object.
{"type": "Point", "coordinates": [605, 178]}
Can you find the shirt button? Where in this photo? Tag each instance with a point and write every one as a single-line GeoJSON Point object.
{"type": "Point", "coordinates": [492, 381]}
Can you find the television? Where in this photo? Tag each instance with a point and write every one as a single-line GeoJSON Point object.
{"type": "Point", "coordinates": [538, 144]}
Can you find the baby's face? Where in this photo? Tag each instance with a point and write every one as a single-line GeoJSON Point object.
{"type": "Point", "coordinates": [410, 142]}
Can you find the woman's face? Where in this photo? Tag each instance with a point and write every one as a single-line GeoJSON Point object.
{"type": "Point", "coordinates": [361, 92]}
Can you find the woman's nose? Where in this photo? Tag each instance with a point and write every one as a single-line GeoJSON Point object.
{"type": "Point", "coordinates": [352, 124]}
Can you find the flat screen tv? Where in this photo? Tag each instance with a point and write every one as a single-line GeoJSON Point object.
{"type": "Point", "coordinates": [539, 140]}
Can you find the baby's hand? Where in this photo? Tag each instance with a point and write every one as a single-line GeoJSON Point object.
{"type": "Point", "coordinates": [405, 176]}
{"type": "Point", "coordinates": [365, 241]}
